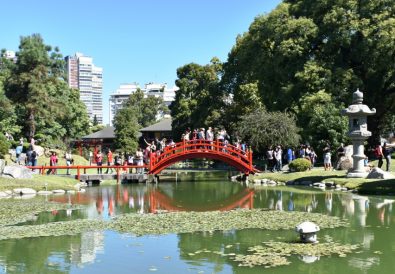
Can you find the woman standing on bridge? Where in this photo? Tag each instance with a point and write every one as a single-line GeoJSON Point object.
{"type": "Point", "coordinates": [99, 162]}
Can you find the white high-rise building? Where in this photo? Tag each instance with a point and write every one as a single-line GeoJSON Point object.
{"type": "Point", "coordinates": [88, 78]}
{"type": "Point", "coordinates": [121, 95]}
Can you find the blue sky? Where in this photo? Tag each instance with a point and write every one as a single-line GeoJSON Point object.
{"type": "Point", "coordinates": [134, 41]}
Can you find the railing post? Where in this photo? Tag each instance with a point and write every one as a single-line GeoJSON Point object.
{"type": "Point", "coordinates": [78, 173]}
{"type": "Point", "coordinates": [151, 158]}
{"type": "Point", "coordinates": [118, 175]}
{"type": "Point", "coordinates": [250, 158]}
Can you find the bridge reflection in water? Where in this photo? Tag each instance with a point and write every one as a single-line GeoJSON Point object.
{"type": "Point", "coordinates": [153, 199]}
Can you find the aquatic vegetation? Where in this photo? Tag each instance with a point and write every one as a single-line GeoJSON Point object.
{"type": "Point", "coordinates": [14, 211]}
{"type": "Point", "coordinates": [273, 254]}
{"type": "Point", "coordinates": [51, 229]}
{"type": "Point", "coordinates": [187, 222]}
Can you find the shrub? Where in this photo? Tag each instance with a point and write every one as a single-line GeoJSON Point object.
{"type": "Point", "coordinates": [300, 164]}
{"type": "Point", "coordinates": [4, 146]}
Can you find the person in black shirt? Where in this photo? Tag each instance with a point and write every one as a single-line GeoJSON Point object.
{"type": "Point", "coordinates": [387, 151]}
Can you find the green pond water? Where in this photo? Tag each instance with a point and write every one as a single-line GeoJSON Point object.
{"type": "Point", "coordinates": [371, 218]}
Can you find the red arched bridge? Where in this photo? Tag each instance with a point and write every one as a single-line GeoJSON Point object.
{"type": "Point", "coordinates": [159, 160]}
{"type": "Point", "coordinates": [215, 150]}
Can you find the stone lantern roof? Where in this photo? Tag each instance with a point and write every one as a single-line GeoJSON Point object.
{"type": "Point", "coordinates": [357, 108]}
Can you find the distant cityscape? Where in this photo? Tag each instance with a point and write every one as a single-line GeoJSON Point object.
{"type": "Point", "coordinates": [85, 76]}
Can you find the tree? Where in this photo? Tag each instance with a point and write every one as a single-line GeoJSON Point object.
{"type": "Point", "coordinates": [137, 112]}
{"type": "Point", "coordinates": [45, 107]}
{"type": "Point", "coordinates": [306, 46]}
{"type": "Point", "coordinates": [126, 129]}
{"type": "Point", "coordinates": [95, 121]}
{"type": "Point", "coordinates": [146, 108]}
{"type": "Point", "coordinates": [8, 118]}
{"type": "Point", "coordinates": [262, 129]}
{"type": "Point", "coordinates": [199, 101]}
{"type": "Point", "coordinates": [321, 120]}
{"type": "Point", "coordinates": [4, 146]}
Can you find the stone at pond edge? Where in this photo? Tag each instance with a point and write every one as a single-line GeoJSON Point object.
{"type": "Point", "coordinates": [2, 165]}
{"type": "Point", "coordinates": [18, 172]}
{"type": "Point", "coordinates": [3, 194]}
{"type": "Point", "coordinates": [58, 191]}
{"type": "Point", "coordinates": [378, 173]}
{"type": "Point", "coordinates": [44, 192]}
{"type": "Point", "coordinates": [24, 191]}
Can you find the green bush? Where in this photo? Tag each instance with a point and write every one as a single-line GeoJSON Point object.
{"type": "Point", "coordinates": [4, 146]}
{"type": "Point", "coordinates": [300, 164]}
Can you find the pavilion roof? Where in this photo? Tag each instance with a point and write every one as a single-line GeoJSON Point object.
{"type": "Point", "coordinates": [105, 133]}
{"type": "Point", "coordinates": [163, 125]}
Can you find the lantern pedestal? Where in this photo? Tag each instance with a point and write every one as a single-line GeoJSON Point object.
{"type": "Point", "coordinates": [358, 132]}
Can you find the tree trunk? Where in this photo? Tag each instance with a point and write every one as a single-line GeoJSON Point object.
{"type": "Point", "coordinates": [31, 124]}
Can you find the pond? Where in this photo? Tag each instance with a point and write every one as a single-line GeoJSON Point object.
{"type": "Point", "coordinates": [372, 226]}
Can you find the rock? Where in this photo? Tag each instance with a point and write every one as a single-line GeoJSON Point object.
{"type": "Point", "coordinates": [82, 190]}
{"type": "Point", "coordinates": [27, 196]}
{"type": "Point", "coordinates": [18, 172]}
{"type": "Point", "coordinates": [8, 192]}
{"type": "Point", "coordinates": [3, 194]}
{"type": "Point", "coordinates": [24, 191]}
{"type": "Point", "coordinates": [271, 183]}
{"type": "Point", "coordinates": [320, 186]}
{"type": "Point", "coordinates": [44, 192]}
{"type": "Point", "coordinates": [264, 181]}
{"type": "Point", "coordinates": [257, 181]}
{"type": "Point", "coordinates": [58, 191]}
{"type": "Point", "coordinates": [344, 164]}
{"type": "Point", "coordinates": [329, 184]}
{"type": "Point", "coordinates": [39, 150]}
{"type": "Point", "coordinates": [285, 168]}
{"type": "Point", "coordinates": [378, 173]}
{"type": "Point", "coordinates": [2, 165]}
{"type": "Point", "coordinates": [280, 183]}
{"type": "Point", "coordinates": [70, 191]}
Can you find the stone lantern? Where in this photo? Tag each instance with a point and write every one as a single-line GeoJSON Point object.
{"type": "Point", "coordinates": [308, 232]}
{"type": "Point", "coordinates": [358, 132]}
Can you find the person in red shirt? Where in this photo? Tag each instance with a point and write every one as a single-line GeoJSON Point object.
{"type": "Point", "coordinates": [53, 161]}
{"type": "Point", "coordinates": [110, 161]}
{"type": "Point", "coordinates": [99, 162]}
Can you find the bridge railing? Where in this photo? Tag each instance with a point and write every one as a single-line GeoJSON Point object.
{"type": "Point", "coordinates": [199, 146]}
{"type": "Point", "coordinates": [81, 169]}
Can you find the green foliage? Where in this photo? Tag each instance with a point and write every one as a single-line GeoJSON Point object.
{"type": "Point", "coordinates": [146, 109]}
{"type": "Point", "coordinates": [304, 47]}
{"type": "Point", "coordinates": [199, 101]}
{"type": "Point", "coordinates": [300, 164]}
{"type": "Point", "coordinates": [126, 129]}
{"type": "Point", "coordinates": [137, 112]}
{"type": "Point", "coordinates": [4, 146]}
{"type": "Point", "coordinates": [37, 98]}
{"type": "Point", "coordinates": [262, 129]}
{"type": "Point", "coordinates": [322, 123]}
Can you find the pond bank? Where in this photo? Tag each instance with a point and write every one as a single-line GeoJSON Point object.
{"type": "Point", "coordinates": [319, 175]}
{"type": "Point", "coordinates": [39, 182]}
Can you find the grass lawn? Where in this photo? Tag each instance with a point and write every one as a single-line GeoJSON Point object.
{"type": "Point", "coordinates": [363, 186]}
{"type": "Point", "coordinates": [39, 182]}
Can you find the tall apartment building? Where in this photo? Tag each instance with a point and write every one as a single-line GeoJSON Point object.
{"type": "Point", "coordinates": [88, 78]}
{"type": "Point", "coordinates": [121, 95]}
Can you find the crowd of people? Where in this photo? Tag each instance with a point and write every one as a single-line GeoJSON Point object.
{"type": "Point", "coordinates": [276, 157]}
